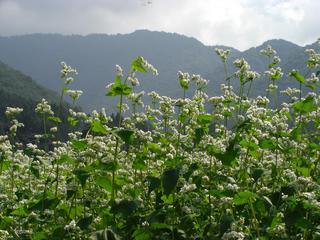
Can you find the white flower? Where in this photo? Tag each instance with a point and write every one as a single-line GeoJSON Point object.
{"type": "Point", "coordinates": [11, 112]}
{"type": "Point", "coordinates": [44, 108]}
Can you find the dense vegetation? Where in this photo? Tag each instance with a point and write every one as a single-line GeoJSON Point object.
{"type": "Point", "coordinates": [244, 170]}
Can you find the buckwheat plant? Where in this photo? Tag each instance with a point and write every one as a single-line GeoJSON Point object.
{"type": "Point", "coordinates": [171, 167]}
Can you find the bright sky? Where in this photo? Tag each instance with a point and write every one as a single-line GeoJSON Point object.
{"type": "Point", "coordinates": [237, 23]}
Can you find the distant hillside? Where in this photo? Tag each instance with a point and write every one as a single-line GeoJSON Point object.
{"type": "Point", "coordinates": [19, 90]}
{"type": "Point", "coordinates": [95, 56]}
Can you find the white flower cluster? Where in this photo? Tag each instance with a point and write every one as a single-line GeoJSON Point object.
{"type": "Point", "coordinates": [12, 112]}
{"type": "Point", "coordinates": [290, 91]}
{"type": "Point", "coordinates": [67, 73]}
{"type": "Point", "coordinates": [223, 54]}
{"type": "Point", "coordinates": [200, 82]}
{"type": "Point", "coordinates": [268, 51]}
{"type": "Point", "coordinates": [74, 94]}
{"type": "Point", "coordinates": [136, 98]}
{"type": "Point", "coordinates": [119, 70]}
{"type": "Point", "coordinates": [314, 58]}
{"type": "Point", "coordinates": [149, 66]}
{"type": "Point", "coordinates": [134, 81]}
{"type": "Point", "coordinates": [244, 73]}
{"type": "Point", "coordinates": [274, 73]}
{"type": "Point", "coordinates": [44, 108]}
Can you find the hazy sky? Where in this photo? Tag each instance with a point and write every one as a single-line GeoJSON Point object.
{"type": "Point", "coordinates": [237, 23]}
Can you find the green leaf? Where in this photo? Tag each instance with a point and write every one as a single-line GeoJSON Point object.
{"type": "Point", "coordinates": [297, 76]}
{"type": "Point", "coordinates": [228, 158]}
{"type": "Point", "coordinates": [126, 135]}
{"type": "Point", "coordinates": [268, 144]}
{"type": "Point", "coordinates": [72, 121]}
{"type": "Point", "coordinates": [153, 147]}
{"type": "Point", "coordinates": [295, 134]}
{"type": "Point", "coordinates": [54, 119]}
{"type": "Point", "coordinates": [39, 236]}
{"type": "Point", "coordinates": [84, 222]}
{"type": "Point", "coordinates": [276, 221]}
{"type": "Point", "coordinates": [21, 211]}
{"type": "Point", "coordinates": [98, 127]}
{"type": "Point", "coordinates": [305, 106]}
{"type": "Point", "coordinates": [64, 158]}
{"type": "Point", "coordinates": [139, 164]}
{"type": "Point", "coordinates": [257, 173]}
{"type": "Point", "coordinates": [125, 207]}
{"type": "Point", "coordinates": [119, 88]}
{"type": "Point", "coordinates": [304, 171]}
{"type": "Point", "coordinates": [58, 233]}
{"type": "Point", "coordinates": [79, 145]}
{"type": "Point", "coordinates": [154, 183]}
{"type": "Point", "coordinates": [244, 197]}
{"type": "Point", "coordinates": [34, 170]}
{"type": "Point", "coordinates": [142, 234]}
{"type": "Point", "coordinates": [204, 119]}
{"type": "Point", "coordinates": [225, 223]}
{"type": "Point", "coordinates": [138, 65]}
{"type": "Point", "coordinates": [169, 180]}
{"type": "Point", "coordinates": [82, 175]}
{"type": "Point", "coordinates": [157, 226]}
{"type": "Point", "coordinates": [108, 166]}
{"type": "Point", "coordinates": [106, 234]}
{"type": "Point", "coordinates": [44, 203]}
{"type": "Point", "coordinates": [199, 133]}
{"type": "Point", "coordinates": [104, 182]}
{"type": "Point", "coordinates": [168, 200]}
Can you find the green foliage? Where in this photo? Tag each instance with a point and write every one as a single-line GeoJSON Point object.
{"type": "Point", "coordinates": [190, 172]}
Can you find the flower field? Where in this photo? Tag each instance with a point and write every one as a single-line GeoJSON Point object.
{"type": "Point", "coordinates": [201, 167]}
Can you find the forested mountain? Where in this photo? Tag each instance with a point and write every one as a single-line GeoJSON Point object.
{"type": "Point", "coordinates": [95, 56]}
{"type": "Point", "coordinates": [19, 90]}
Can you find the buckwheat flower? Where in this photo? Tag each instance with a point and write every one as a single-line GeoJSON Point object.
{"type": "Point", "coordinates": [134, 81]}
{"type": "Point", "coordinates": [145, 224]}
{"type": "Point", "coordinates": [15, 125]}
{"type": "Point", "coordinates": [74, 94]}
{"type": "Point", "coordinates": [70, 226]}
{"type": "Point", "coordinates": [188, 188]}
{"type": "Point", "coordinates": [200, 82]}
{"type": "Point", "coordinates": [136, 98]}
{"type": "Point", "coordinates": [272, 87]}
{"type": "Point", "coordinates": [66, 71]}
{"type": "Point", "coordinates": [69, 80]}
{"type": "Point", "coordinates": [119, 71]}
{"type": "Point", "coordinates": [12, 112]}
{"type": "Point", "coordinates": [241, 63]}
{"type": "Point", "coordinates": [268, 51]}
{"type": "Point", "coordinates": [205, 178]}
{"type": "Point", "coordinates": [44, 108]}
{"type": "Point", "coordinates": [148, 66]}
{"type": "Point", "coordinates": [53, 129]}
{"type": "Point", "coordinates": [262, 100]}
{"type": "Point", "coordinates": [274, 73]}
{"type": "Point", "coordinates": [314, 58]}
{"type": "Point", "coordinates": [290, 91]}
{"type": "Point", "coordinates": [223, 54]}
{"type": "Point", "coordinates": [233, 235]}
{"type": "Point", "coordinates": [313, 79]}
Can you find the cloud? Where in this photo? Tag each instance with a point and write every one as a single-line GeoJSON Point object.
{"type": "Point", "coordinates": [237, 23]}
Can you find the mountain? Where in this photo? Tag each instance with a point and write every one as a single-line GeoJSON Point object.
{"type": "Point", "coordinates": [95, 56]}
{"type": "Point", "coordinates": [19, 90]}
